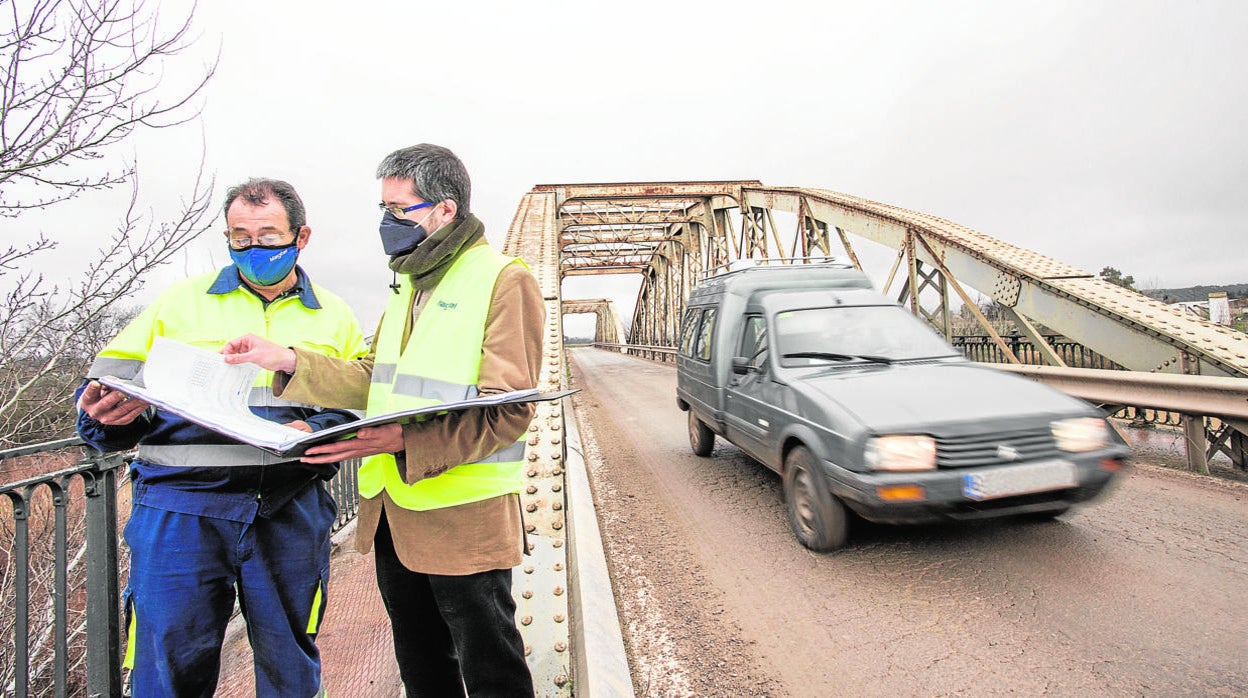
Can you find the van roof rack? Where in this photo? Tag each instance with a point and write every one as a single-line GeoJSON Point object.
{"type": "Point", "coordinates": [774, 263]}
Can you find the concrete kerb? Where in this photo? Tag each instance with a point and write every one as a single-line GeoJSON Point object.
{"type": "Point", "coordinates": [600, 666]}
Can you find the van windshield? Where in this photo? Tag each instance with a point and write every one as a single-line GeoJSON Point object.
{"type": "Point", "coordinates": [877, 334]}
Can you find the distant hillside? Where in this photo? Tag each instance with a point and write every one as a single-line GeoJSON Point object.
{"type": "Point", "coordinates": [1196, 293]}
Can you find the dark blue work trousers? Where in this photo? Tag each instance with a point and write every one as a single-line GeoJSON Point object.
{"type": "Point", "coordinates": [184, 570]}
{"type": "Point", "coordinates": [452, 633]}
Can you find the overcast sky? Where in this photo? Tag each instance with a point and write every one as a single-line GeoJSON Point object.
{"type": "Point", "coordinates": [1098, 133]}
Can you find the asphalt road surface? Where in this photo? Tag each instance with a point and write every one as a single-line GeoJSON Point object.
{"type": "Point", "coordinates": [1142, 592]}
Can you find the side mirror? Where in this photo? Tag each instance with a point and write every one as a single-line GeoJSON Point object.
{"type": "Point", "coordinates": [741, 365]}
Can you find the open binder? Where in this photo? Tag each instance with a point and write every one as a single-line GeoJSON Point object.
{"type": "Point", "coordinates": [199, 386]}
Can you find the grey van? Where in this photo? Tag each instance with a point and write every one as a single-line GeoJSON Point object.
{"type": "Point", "coordinates": [862, 408]}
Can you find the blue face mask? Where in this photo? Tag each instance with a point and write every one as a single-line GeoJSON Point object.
{"type": "Point", "coordinates": [399, 235]}
{"type": "Point", "coordinates": [265, 266]}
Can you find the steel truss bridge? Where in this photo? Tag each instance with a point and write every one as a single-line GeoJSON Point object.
{"type": "Point", "coordinates": [674, 234]}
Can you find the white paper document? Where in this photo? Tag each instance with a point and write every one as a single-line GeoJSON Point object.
{"type": "Point", "coordinates": [199, 386]}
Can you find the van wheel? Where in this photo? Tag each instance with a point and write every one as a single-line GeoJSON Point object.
{"type": "Point", "coordinates": [817, 518]}
{"type": "Point", "coordinates": [701, 438]}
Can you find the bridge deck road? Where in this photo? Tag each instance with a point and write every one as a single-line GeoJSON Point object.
{"type": "Point", "coordinates": [1139, 593]}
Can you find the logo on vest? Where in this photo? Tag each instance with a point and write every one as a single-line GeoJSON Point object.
{"type": "Point", "coordinates": [447, 306]}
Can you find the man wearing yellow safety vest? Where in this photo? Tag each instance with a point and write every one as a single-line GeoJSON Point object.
{"type": "Point", "coordinates": [441, 500]}
{"type": "Point", "coordinates": [210, 515]}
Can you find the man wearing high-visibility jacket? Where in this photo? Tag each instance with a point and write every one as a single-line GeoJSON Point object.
{"type": "Point", "coordinates": [441, 500]}
{"type": "Point", "coordinates": [211, 515]}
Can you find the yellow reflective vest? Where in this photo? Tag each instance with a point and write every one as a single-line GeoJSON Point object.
{"type": "Point", "coordinates": [440, 363]}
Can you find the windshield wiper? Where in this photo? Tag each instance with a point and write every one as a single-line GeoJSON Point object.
{"type": "Point", "coordinates": [838, 357]}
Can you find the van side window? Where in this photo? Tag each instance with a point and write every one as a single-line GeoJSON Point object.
{"type": "Point", "coordinates": [703, 349]}
{"type": "Point", "coordinates": [688, 327]}
{"type": "Point", "coordinates": [754, 340]}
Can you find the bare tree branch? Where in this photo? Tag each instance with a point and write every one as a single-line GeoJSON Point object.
{"type": "Point", "coordinates": [81, 76]}
{"type": "Point", "coordinates": [77, 78]}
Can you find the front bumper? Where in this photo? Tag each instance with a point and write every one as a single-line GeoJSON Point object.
{"type": "Point", "coordinates": [949, 494]}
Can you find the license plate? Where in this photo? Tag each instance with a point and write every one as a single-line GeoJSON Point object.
{"type": "Point", "coordinates": [991, 483]}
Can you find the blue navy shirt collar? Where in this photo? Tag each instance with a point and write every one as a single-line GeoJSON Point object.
{"type": "Point", "coordinates": [229, 280]}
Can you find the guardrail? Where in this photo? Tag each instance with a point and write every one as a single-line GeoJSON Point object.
{"type": "Point", "coordinates": [61, 574]}
{"type": "Point", "coordinates": [1214, 410]}
{"type": "Point", "coordinates": [655, 353]}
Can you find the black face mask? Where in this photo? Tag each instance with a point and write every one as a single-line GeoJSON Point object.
{"type": "Point", "coordinates": [399, 235]}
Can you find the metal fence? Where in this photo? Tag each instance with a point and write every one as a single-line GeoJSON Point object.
{"type": "Point", "coordinates": [62, 567]}
{"type": "Point", "coordinates": [984, 349]}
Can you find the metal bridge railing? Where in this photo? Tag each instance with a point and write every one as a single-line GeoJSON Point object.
{"type": "Point", "coordinates": [984, 349]}
{"type": "Point", "coordinates": [654, 353]}
{"type": "Point", "coordinates": [62, 566]}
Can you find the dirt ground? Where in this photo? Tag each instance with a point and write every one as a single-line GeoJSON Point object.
{"type": "Point", "coordinates": [1138, 593]}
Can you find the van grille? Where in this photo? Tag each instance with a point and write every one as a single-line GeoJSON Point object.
{"type": "Point", "coordinates": [995, 448]}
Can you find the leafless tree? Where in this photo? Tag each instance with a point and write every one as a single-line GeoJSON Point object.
{"type": "Point", "coordinates": [77, 78]}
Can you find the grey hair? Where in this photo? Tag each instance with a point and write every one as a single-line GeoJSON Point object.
{"type": "Point", "coordinates": [257, 191]}
{"type": "Point", "coordinates": [435, 172]}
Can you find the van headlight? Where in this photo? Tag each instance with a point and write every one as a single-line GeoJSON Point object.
{"type": "Point", "coordinates": [901, 452]}
{"type": "Point", "coordinates": [1081, 434]}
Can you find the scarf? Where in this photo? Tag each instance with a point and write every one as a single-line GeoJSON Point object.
{"type": "Point", "coordinates": [427, 264]}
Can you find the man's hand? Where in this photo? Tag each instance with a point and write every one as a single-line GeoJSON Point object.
{"type": "Point", "coordinates": [109, 407]}
{"type": "Point", "coordinates": [256, 350]}
{"type": "Point", "coordinates": [368, 441]}
{"type": "Point", "coordinates": [300, 425]}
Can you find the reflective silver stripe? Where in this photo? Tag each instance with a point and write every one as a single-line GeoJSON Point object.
{"type": "Point", "coordinates": [262, 396]}
{"type": "Point", "coordinates": [510, 454]}
{"type": "Point", "coordinates": [442, 391]}
{"type": "Point", "coordinates": [122, 368]}
{"type": "Point", "coordinates": [384, 373]}
{"type": "Point", "coordinates": [229, 455]}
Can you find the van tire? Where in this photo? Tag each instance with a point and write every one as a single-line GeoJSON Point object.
{"type": "Point", "coordinates": [818, 519]}
{"type": "Point", "coordinates": [701, 438]}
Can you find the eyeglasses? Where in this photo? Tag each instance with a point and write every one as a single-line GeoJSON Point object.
{"type": "Point", "coordinates": [242, 242]}
{"type": "Point", "coordinates": [398, 211]}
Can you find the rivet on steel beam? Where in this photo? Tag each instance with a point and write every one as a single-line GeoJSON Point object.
{"type": "Point", "coordinates": [528, 650]}
{"type": "Point", "coordinates": [531, 489]}
{"type": "Point", "coordinates": [528, 569]}
{"type": "Point", "coordinates": [527, 593]}
{"type": "Point", "coordinates": [559, 618]}
{"type": "Point", "coordinates": [556, 471]}
{"type": "Point", "coordinates": [530, 528]}
{"type": "Point", "coordinates": [556, 506]}
{"type": "Point", "coordinates": [532, 456]}
{"type": "Point", "coordinates": [527, 620]}
{"type": "Point", "coordinates": [555, 440]}
{"type": "Point", "coordinates": [532, 472]}
{"type": "Point", "coordinates": [557, 525]}
{"type": "Point", "coordinates": [534, 440]}
{"type": "Point", "coordinates": [556, 487]}
{"type": "Point", "coordinates": [561, 680]}
{"type": "Point", "coordinates": [556, 543]}
{"type": "Point", "coordinates": [558, 567]}
{"type": "Point", "coordinates": [560, 646]}
{"type": "Point", "coordinates": [558, 591]}
{"type": "Point", "coordinates": [530, 507]}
